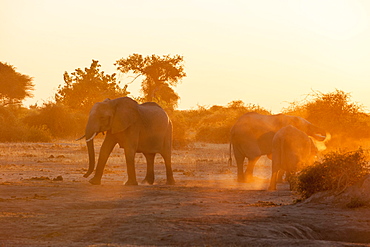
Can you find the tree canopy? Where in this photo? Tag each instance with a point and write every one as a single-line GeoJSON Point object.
{"type": "Point", "coordinates": [83, 88]}
{"type": "Point", "coordinates": [333, 111]}
{"type": "Point", "coordinates": [14, 86]}
{"type": "Point", "coordinates": [161, 74]}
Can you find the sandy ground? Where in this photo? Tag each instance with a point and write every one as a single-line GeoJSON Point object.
{"type": "Point", "coordinates": [206, 207]}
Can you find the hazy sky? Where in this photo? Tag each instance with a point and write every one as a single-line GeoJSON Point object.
{"type": "Point", "coordinates": [265, 52]}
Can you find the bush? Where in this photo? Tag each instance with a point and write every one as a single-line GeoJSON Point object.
{"type": "Point", "coordinates": [344, 120]}
{"type": "Point", "coordinates": [214, 124]}
{"type": "Point", "coordinates": [38, 134]}
{"type": "Point", "coordinates": [58, 119]}
{"type": "Point", "coordinates": [213, 134]}
{"type": "Point", "coordinates": [12, 129]}
{"type": "Point", "coordinates": [336, 171]}
{"type": "Point", "coordinates": [179, 130]}
{"type": "Point", "coordinates": [9, 125]}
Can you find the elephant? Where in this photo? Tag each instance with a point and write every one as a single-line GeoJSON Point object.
{"type": "Point", "coordinates": [292, 149]}
{"type": "Point", "coordinates": [252, 134]}
{"type": "Point", "coordinates": [137, 128]}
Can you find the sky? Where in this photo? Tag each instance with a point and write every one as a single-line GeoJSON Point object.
{"type": "Point", "coordinates": [268, 52]}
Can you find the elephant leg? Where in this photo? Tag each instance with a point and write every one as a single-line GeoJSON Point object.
{"type": "Point", "coordinates": [289, 177]}
{"type": "Point", "coordinates": [105, 151]}
{"type": "Point", "coordinates": [273, 180]}
{"type": "Point", "coordinates": [169, 174]}
{"type": "Point", "coordinates": [269, 156]}
{"type": "Point", "coordinates": [280, 175]}
{"type": "Point", "coordinates": [250, 168]}
{"type": "Point", "coordinates": [240, 167]}
{"type": "Point", "coordinates": [130, 162]}
{"type": "Point", "coordinates": [239, 159]}
{"type": "Point", "coordinates": [149, 178]}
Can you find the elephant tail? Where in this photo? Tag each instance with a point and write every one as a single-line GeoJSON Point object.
{"type": "Point", "coordinates": [230, 158]}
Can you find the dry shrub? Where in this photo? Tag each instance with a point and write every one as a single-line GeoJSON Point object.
{"type": "Point", "coordinates": [336, 171]}
{"type": "Point", "coordinates": [213, 134]}
{"type": "Point", "coordinates": [12, 129]}
{"type": "Point", "coordinates": [344, 120]}
{"type": "Point", "coordinates": [207, 124]}
{"type": "Point", "coordinates": [179, 127]}
{"type": "Point", "coordinates": [214, 124]}
{"type": "Point", "coordinates": [38, 134]}
{"type": "Point", "coordinates": [59, 120]}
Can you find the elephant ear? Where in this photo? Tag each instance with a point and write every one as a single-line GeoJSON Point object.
{"type": "Point", "coordinates": [126, 114]}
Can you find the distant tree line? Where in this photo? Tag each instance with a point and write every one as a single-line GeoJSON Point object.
{"type": "Point", "coordinates": [65, 116]}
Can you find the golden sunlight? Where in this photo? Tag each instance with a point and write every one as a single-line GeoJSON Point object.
{"type": "Point", "coordinates": [338, 20]}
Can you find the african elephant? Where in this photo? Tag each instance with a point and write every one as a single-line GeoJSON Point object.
{"type": "Point", "coordinates": [292, 149]}
{"type": "Point", "coordinates": [252, 134]}
{"type": "Point", "coordinates": [137, 128]}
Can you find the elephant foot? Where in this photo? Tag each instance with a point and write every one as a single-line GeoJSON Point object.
{"type": "Point", "coordinates": [241, 179]}
{"type": "Point", "coordinates": [88, 173]}
{"type": "Point", "coordinates": [280, 179]}
{"type": "Point", "coordinates": [131, 183]}
{"type": "Point", "coordinates": [95, 181]}
{"type": "Point", "coordinates": [148, 181]}
{"type": "Point", "coordinates": [249, 179]}
{"type": "Point", "coordinates": [272, 188]}
{"type": "Point", "coordinates": [170, 181]}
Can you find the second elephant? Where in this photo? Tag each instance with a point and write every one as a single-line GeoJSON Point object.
{"type": "Point", "coordinates": [251, 137]}
{"type": "Point", "coordinates": [292, 149]}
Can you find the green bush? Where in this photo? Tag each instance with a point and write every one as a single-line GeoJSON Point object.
{"type": "Point", "coordinates": [336, 171]}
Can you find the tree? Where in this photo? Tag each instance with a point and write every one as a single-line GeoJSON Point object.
{"type": "Point", "coordinates": [85, 87]}
{"type": "Point", "coordinates": [344, 120]}
{"type": "Point", "coordinates": [14, 86]}
{"type": "Point", "coordinates": [161, 74]}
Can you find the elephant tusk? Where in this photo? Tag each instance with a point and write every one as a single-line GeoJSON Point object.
{"type": "Point", "coordinates": [319, 137]}
{"type": "Point", "coordinates": [80, 138]}
{"type": "Point", "coordinates": [91, 137]}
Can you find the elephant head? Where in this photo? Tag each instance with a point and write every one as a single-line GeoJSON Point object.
{"type": "Point", "coordinates": [103, 117]}
{"type": "Point", "coordinates": [317, 133]}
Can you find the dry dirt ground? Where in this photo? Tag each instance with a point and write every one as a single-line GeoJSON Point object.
{"type": "Point", "coordinates": [45, 201]}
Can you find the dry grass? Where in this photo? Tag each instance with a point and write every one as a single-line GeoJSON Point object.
{"type": "Point", "coordinates": [205, 162]}
{"type": "Point", "coordinates": [206, 207]}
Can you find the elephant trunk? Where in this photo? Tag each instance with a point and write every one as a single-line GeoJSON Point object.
{"type": "Point", "coordinates": [90, 133]}
{"type": "Point", "coordinates": [91, 151]}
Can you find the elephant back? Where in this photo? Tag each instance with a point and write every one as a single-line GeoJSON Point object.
{"type": "Point", "coordinates": [153, 117]}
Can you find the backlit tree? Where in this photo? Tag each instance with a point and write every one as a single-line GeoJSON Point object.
{"type": "Point", "coordinates": [346, 121]}
{"type": "Point", "coordinates": [14, 86]}
{"type": "Point", "coordinates": [161, 75]}
{"type": "Point", "coordinates": [83, 88]}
